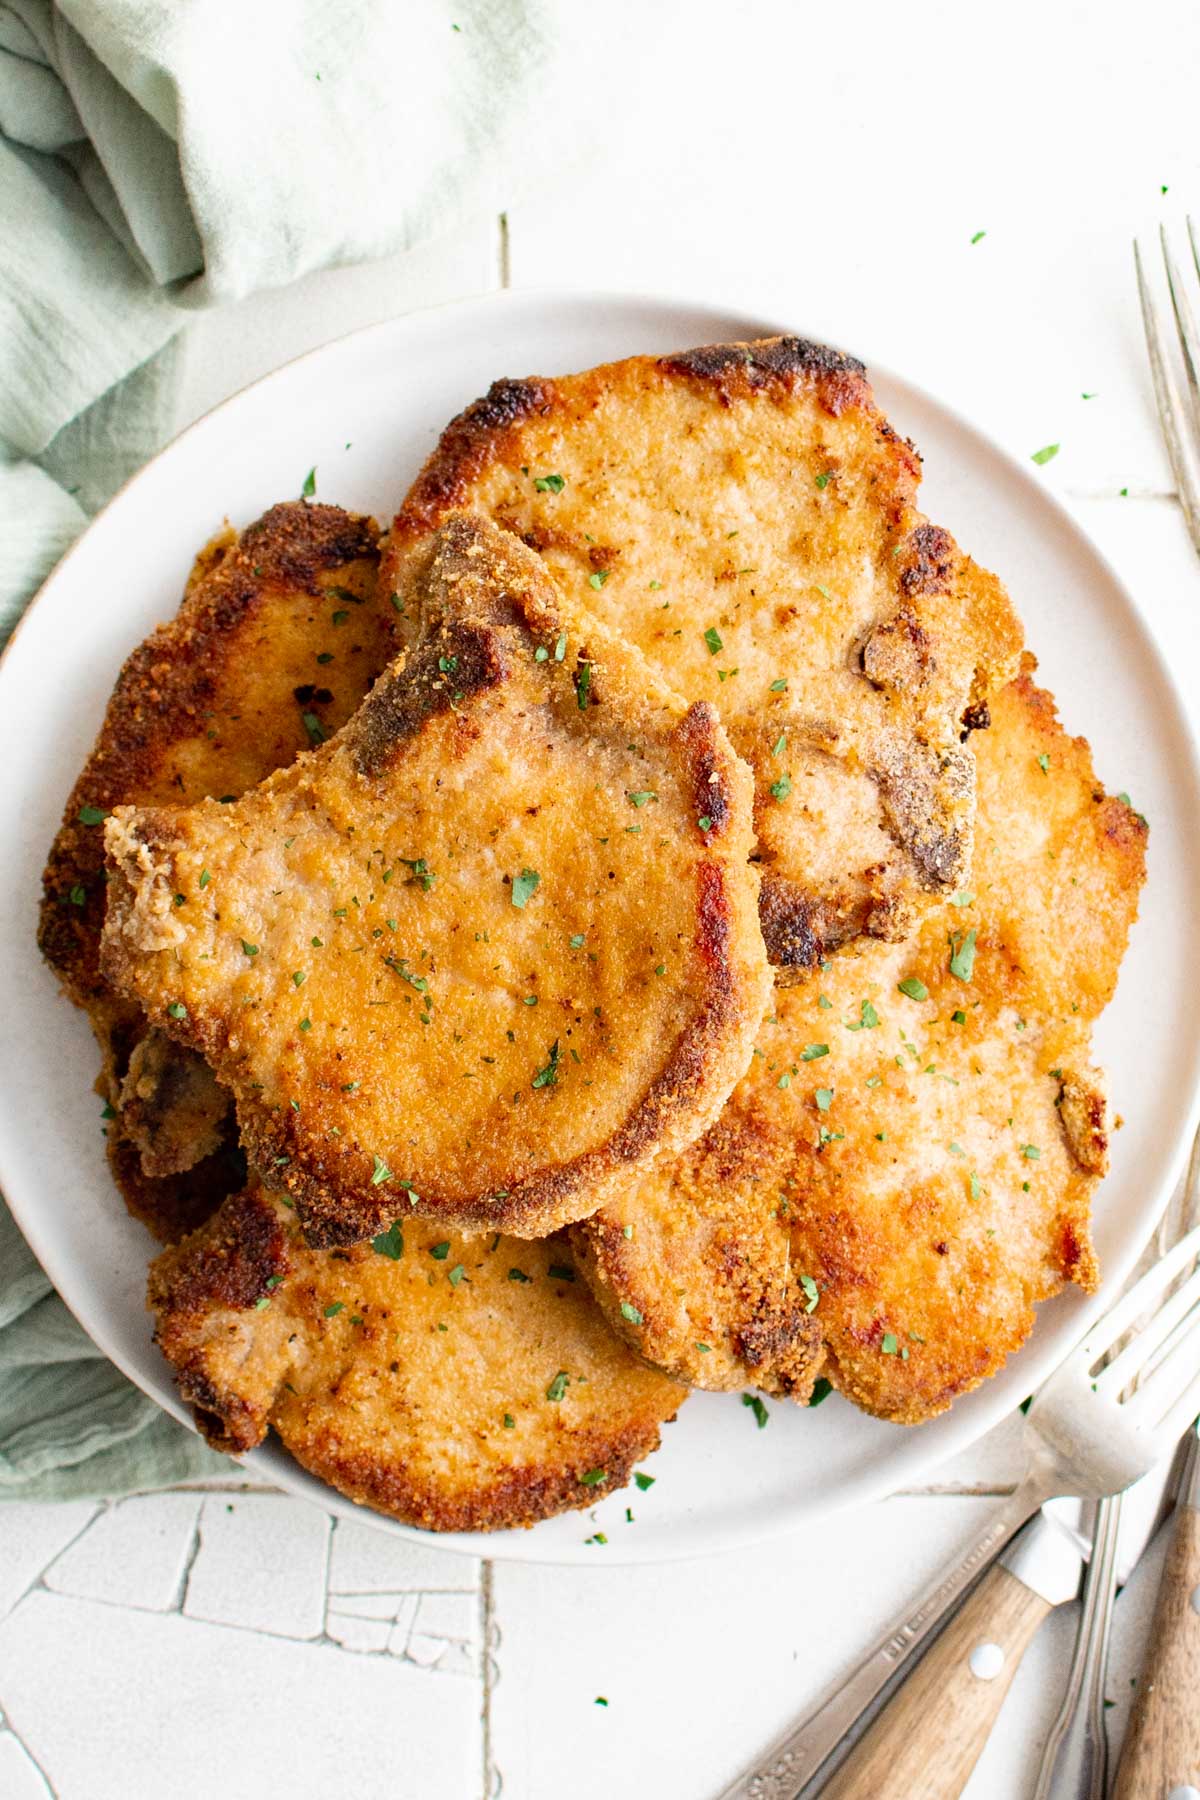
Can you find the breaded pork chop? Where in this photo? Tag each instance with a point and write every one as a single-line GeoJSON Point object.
{"type": "Point", "coordinates": [493, 947]}
{"type": "Point", "coordinates": [747, 517]}
{"type": "Point", "coordinates": [908, 1165]}
{"type": "Point", "coordinates": [278, 637]}
{"type": "Point", "coordinates": [457, 1385]}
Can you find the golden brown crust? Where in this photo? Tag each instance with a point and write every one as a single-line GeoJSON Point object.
{"type": "Point", "coordinates": [745, 515]}
{"type": "Point", "coordinates": [209, 704]}
{"type": "Point", "coordinates": [596, 1025]}
{"type": "Point", "coordinates": [456, 1385]}
{"type": "Point", "coordinates": [904, 1173]}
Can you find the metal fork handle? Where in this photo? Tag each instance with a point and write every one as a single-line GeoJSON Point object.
{"type": "Point", "coordinates": [795, 1758]}
{"type": "Point", "coordinates": [1075, 1760]}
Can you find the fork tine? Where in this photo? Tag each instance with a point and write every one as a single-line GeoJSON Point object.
{"type": "Point", "coordinates": [1168, 407]}
{"type": "Point", "coordinates": [1180, 1417]}
{"type": "Point", "coordinates": [1191, 231]}
{"type": "Point", "coordinates": [1174, 1386]}
{"type": "Point", "coordinates": [1143, 1295]}
{"type": "Point", "coordinates": [1154, 1333]}
{"type": "Point", "coordinates": [1183, 318]}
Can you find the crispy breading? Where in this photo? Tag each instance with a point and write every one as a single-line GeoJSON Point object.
{"type": "Point", "coordinates": [276, 624]}
{"type": "Point", "coordinates": [494, 946]}
{"type": "Point", "coordinates": [747, 517]}
{"type": "Point", "coordinates": [902, 1175]}
{"type": "Point", "coordinates": [459, 1385]}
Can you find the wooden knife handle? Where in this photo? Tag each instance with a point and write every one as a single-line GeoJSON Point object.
{"type": "Point", "coordinates": [929, 1736]}
{"type": "Point", "coordinates": [1162, 1744]}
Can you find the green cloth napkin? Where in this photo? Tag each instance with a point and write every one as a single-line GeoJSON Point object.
{"type": "Point", "coordinates": [162, 155]}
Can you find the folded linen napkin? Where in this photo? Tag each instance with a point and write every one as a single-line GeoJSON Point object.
{"type": "Point", "coordinates": [162, 155]}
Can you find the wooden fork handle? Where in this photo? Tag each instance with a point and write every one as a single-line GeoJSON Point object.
{"type": "Point", "coordinates": [928, 1738]}
{"type": "Point", "coordinates": [1162, 1744]}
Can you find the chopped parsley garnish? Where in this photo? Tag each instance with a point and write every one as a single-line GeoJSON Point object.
{"type": "Point", "coordinates": [704, 822]}
{"type": "Point", "coordinates": [714, 640]}
{"type": "Point", "coordinates": [756, 1406]}
{"type": "Point", "coordinates": [583, 685]}
{"type": "Point", "coordinates": [1044, 763]}
{"type": "Point", "coordinates": [1047, 453]}
{"type": "Point", "coordinates": [510, 1424]}
{"type": "Point", "coordinates": [380, 1173]}
{"type": "Point", "coordinates": [457, 1274]}
{"type": "Point", "coordinates": [890, 1346]}
{"type": "Point", "coordinates": [593, 1478]}
{"type": "Point", "coordinates": [780, 744]}
{"type": "Point", "coordinates": [598, 578]}
{"type": "Point", "coordinates": [867, 1020]}
{"type": "Point", "coordinates": [560, 1272]}
{"type": "Point", "coordinates": [177, 1010]}
{"type": "Point", "coordinates": [958, 1017]}
{"type": "Point", "coordinates": [782, 788]}
{"type": "Point", "coordinates": [447, 664]}
{"type": "Point", "coordinates": [339, 617]}
{"type": "Point", "coordinates": [306, 1024]}
{"type": "Point", "coordinates": [631, 1314]}
{"type": "Point", "coordinates": [299, 977]}
{"type": "Point", "coordinates": [821, 1391]}
{"type": "Point", "coordinates": [549, 484]}
{"type": "Point", "coordinates": [548, 1076]}
{"type": "Point", "coordinates": [812, 1292]}
{"type": "Point", "coordinates": [824, 1099]}
{"type": "Point", "coordinates": [644, 1481]}
{"type": "Point", "coordinates": [811, 1052]}
{"type": "Point", "coordinates": [640, 798]}
{"type": "Point", "coordinates": [978, 236]}
{"type": "Point", "coordinates": [524, 886]}
{"type": "Point", "coordinates": [390, 1242]}
{"type": "Point", "coordinates": [577, 941]}
{"type": "Point", "coordinates": [975, 1186]}
{"type": "Point", "coordinates": [915, 989]}
{"type": "Point", "coordinates": [558, 1386]}
{"type": "Point", "coordinates": [335, 1307]}
{"type": "Point", "coordinates": [78, 895]}
{"type": "Point", "coordinates": [962, 899]}
{"type": "Point", "coordinates": [91, 815]}
{"type": "Point", "coordinates": [422, 875]}
{"type": "Point", "coordinates": [518, 1275]}
{"type": "Point", "coordinates": [249, 949]}
{"type": "Point", "coordinates": [560, 646]}
{"type": "Point", "coordinates": [779, 687]}
{"type": "Point", "coordinates": [823, 480]}
{"type": "Point", "coordinates": [962, 958]}
{"type": "Point", "coordinates": [314, 728]}
{"type": "Point", "coordinates": [440, 1252]}
{"type": "Point", "coordinates": [310, 484]}
{"type": "Point", "coordinates": [1030, 1152]}
{"type": "Point", "coordinates": [205, 878]}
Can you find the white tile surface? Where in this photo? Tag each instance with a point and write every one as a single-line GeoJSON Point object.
{"type": "Point", "coordinates": [834, 178]}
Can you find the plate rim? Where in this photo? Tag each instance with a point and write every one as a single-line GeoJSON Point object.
{"type": "Point", "coordinates": [271, 1461]}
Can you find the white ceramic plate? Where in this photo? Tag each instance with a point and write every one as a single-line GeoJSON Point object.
{"type": "Point", "coordinates": [366, 410]}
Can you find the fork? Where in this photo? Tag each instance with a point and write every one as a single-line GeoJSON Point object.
{"type": "Point", "coordinates": [1174, 417]}
{"type": "Point", "coordinates": [1085, 1435]}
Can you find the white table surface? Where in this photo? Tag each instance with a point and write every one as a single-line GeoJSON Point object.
{"type": "Point", "coordinates": [829, 168]}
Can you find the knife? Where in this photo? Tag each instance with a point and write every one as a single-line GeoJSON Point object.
{"type": "Point", "coordinates": [927, 1739]}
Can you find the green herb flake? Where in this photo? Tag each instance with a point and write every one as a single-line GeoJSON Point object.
{"type": "Point", "coordinates": [780, 744]}
{"type": "Point", "coordinates": [756, 1406]}
{"type": "Point", "coordinates": [644, 1481]}
{"type": "Point", "coordinates": [177, 1010]}
{"type": "Point", "coordinates": [389, 1243]}
{"type": "Point", "coordinates": [1031, 1153]}
{"type": "Point", "coordinates": [978, 237]}
{"type": "Point", "coordinates": [593, 1478]}
{"type": "Point", "coordinates": [457, 1274]}
{"type": "Point", "coordinates": [524, 886]}
{"type": "Point", "coordinates": [915, 989]}
{"type": "Point", "coordinates": [974, 1186]}
{"type": "Point", "coordinates": [962, 898]}
{"type": "Point", "coordinates": [890, 1345]}
{"type": "Point", "coordinates": [714, 640]}
{"type": "Point", "coordinates": [958, 1017]}
{"type": "Point", "coordinates": [824, 1099]}
{"type": "Point", "coordinates": [823, 480]}
{"type": "Point", "coordinates": [631, 1314]}
{"type": "Point", "coordinates": [962, 958]}
{"type": "Point", "coordinates": [779, 687]}
{"type": "Point", "coordinates": [205, 878]}
{"type": "Point", "coordinates": [518, 1275]}
{"type": "Point", "coordinates": [310, 484]}
{"type": "Point", "coordinates": [249, 949]}
{"type": "Point", "coordinates": [1047, 453]}
{"type": "Point", "coordinates": [314, 728]}
{"type": "Point", "coordinates": [867, 1018]}
{"type": "Point", "coordinates": [548, 1076]}
{"type": "Point", "coordinates": [558, 1386]}
{"type": "Point", "coordinates": [335, 1307]}
{"type": "Point", "coordinates": [641, 798]}
{"type": "Point", "coordinates": [822, 1389]}
{"type": "Point", "coordinates": [560, 1272]}
{"type": "Point", "coordinates": [812, 1292]}
{"type": "Point", "coordinates": [811, 1052]}
{"type": "Point", "coordinates": [380, 1172]}
{"type": "Point", "coordinates": [704, 822]}
{"type": "Point", "coordinates": [549, 484]}
{"type": "Point", "coordinates": [782, 788]}
{"type": "Point", "coordinates": [1043, 763]}
{"type": "Point", "coordinates": [510, 1424]}
{"type": "Point", "coordinates": [583, 685]}
{"type": "Point", "coordinates": [91, 815]}
{"type": "Point", "coordinates": [598, 578]}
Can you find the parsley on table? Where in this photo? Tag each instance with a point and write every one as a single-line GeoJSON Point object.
{"type": "Point", "coordinates": [915, 989]}
{"type": "Point", "coordinates": [310, 484]}
{"type": "Point", "coordinates": [524, 886]}
{"type": "Point", "coordinates": [1047, 453]}
{"type": "Point", "coordinates": [757, 1408]}
{"type": "Point", "coordinates": [644, 1481]}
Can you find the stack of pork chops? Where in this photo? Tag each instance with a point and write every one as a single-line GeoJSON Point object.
{"type": "Point", "coordinates": [636, 925]}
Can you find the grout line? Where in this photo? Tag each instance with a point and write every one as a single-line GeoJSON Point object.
{"type": "Point", "coordinates": [486, 1621]}
{"type": "Point", "coordinates": [10, 1730]}
{"type": "Point", "coordinates": [39, 1580]}
{"type": "Point", "coordinates": [504, 252]}
{"type": "Point", "coordinates": [189, 1563]}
